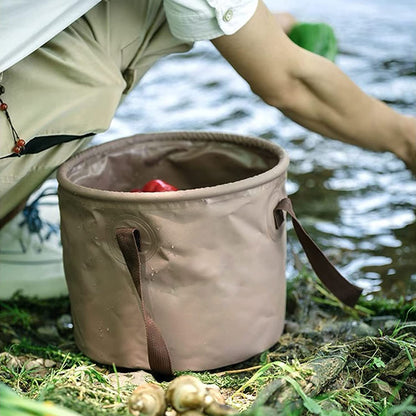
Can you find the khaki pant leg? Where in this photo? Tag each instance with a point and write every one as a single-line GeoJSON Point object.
{"type": "Point", "coordinates": [73, 85]}
{"type": "Point", "coordinates": [19, 177]}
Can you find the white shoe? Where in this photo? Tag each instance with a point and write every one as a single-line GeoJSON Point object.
{"type": "Point", "coordinates": [31, 250]}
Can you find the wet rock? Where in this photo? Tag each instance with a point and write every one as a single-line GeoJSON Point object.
{"type": "Point", "coordinates": [48, 333]}
{"type": "Point", "coordinates": [64, 324]}
{"type": "Point", "coordinates": [379, 322]}
{"type": "Point", "coordinates": [359, 329]}
{"type": "Point", "coordinates": [349, 330]}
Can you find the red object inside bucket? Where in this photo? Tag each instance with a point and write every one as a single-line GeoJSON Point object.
{"type": "Point", "coordinates": [155, 185]}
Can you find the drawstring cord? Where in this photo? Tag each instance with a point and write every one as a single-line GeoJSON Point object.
{"type": "Point", "coordinates": [19, 144]}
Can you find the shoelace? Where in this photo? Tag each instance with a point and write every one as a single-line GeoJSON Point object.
{"type": "Point", "coordinates": [33, 221]}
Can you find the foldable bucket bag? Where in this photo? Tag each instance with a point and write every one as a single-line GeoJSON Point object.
{"type": "Point", "coordinates": [192, 279]}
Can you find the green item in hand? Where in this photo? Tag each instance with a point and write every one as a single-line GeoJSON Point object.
{"type": "Point", "coordinates": [315, 37]}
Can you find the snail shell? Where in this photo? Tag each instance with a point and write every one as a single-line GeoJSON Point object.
{"type": "Point", "coordinates": [215, 402]}
{"type": "Point", "coordinates": [147, 400]}
{"type": "Point", "coordinates": [190, 397]}
{"type": "Point", "coordinates": [186, 393]}
{"type": "Point", "coordinates": [218, 409]}
{"type": "Point", "coordinates": [214, 391]}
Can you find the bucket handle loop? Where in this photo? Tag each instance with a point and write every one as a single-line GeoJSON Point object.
{"type": "Point", "coordinates": [345, 291]}
{"type": "Point", "coordinates": [158, 354]}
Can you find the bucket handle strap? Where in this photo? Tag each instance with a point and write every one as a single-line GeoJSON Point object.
{"type": "Point", "coordinates": [159, 359]}
{"type": "Point", "coordinates": [327, 273]}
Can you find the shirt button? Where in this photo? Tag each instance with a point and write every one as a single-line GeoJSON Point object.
{"type": "Point", "coordinates": [228, 15]}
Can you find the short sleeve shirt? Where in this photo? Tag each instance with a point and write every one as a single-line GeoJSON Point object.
{"type": "Point", "coordinates": [25, 25]}
{"type": "Point", "coordinates": [193, 20]}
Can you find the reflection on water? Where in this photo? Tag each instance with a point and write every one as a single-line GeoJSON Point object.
{"type": "Point", "coordinates": [358, 205]}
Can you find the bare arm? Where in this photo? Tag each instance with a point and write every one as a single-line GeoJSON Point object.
{"type": "Point", "coordinates": [313, 91]}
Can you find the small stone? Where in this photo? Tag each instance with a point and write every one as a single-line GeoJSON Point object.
{"type": "Point", "coordinates": [49, 363]}
{"type": "Point", "coordinates": [39, 366]}
{"type": "Point", "coordinates": [135, 378]}
{"type": "Point", "coordinates": [10, 361]}
{"type": "Point", "coordinates": [379, 322]}
{"type": "Point", "coordinates": [34, 364]}
{"type": "Point", "coordinates": [48, 332]}
{"type": "Point", "coordinates": [356, 329]}
{"type": "Point", "coordinates": [292, 327]}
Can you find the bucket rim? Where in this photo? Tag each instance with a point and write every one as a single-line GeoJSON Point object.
{"type": "Point", "coordinates": [186, 194]}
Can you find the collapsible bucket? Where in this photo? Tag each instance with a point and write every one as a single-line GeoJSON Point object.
{"type": "Point", "coordinates": [192, 279]}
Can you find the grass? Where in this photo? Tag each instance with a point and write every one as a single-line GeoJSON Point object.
{"type": "Point", "coordinates": [325, 365]}
{"type": "Point", "coordinates": [82, 387]}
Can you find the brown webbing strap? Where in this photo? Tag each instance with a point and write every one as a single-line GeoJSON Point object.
{"type": "Point", "coordinates": [330, 277]}
{"type": "Point", "coordinates": [159, 360]}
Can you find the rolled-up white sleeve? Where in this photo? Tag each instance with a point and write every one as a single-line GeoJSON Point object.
{"type": "Point", "coordinates": [193, 20]}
